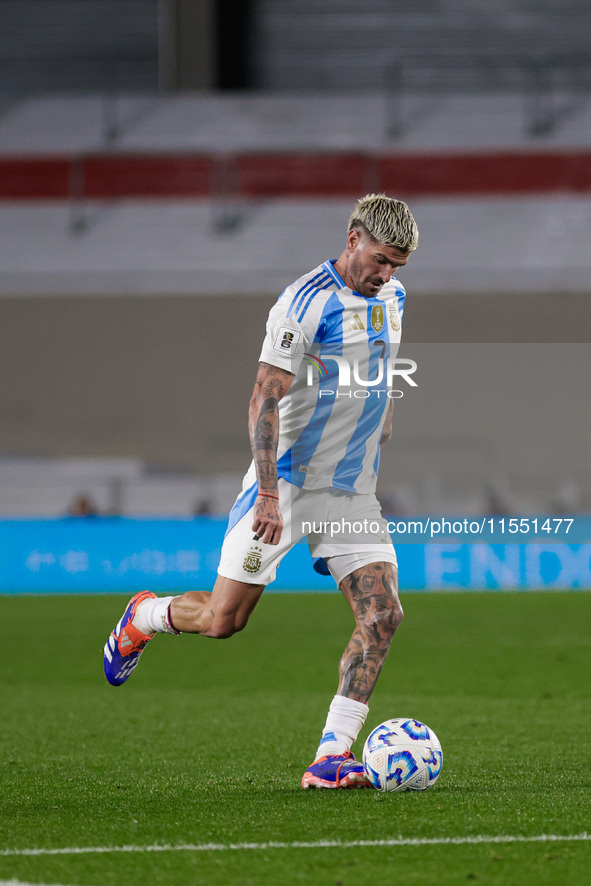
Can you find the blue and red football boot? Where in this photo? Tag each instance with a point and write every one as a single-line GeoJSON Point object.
{"type": "Point", "coordinates": [336, 771]}
{"type": "Point", "coordinates": [125, 645]}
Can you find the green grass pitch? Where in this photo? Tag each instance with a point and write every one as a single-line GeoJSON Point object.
{"type": "Point", "coordinates": [208, 741]}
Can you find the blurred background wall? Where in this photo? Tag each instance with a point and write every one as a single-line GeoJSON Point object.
{"type": "Point", "coordinates": [167, 167]}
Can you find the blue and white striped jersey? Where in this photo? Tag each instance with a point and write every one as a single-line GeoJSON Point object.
{"type": "Point", "coordinates": [338, 345]}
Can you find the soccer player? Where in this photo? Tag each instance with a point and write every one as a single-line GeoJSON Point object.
{"type": "Point", "coordinates": [320, 411]}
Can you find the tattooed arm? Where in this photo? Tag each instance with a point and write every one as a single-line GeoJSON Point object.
{"type": "Point", "coordinates": [270, 386]}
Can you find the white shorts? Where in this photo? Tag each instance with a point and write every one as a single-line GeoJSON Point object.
{"type": "Point", "coordinates": [346, 530]}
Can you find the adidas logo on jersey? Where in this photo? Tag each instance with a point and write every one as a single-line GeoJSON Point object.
{"type": "Point", "coordinates": [356, 322]}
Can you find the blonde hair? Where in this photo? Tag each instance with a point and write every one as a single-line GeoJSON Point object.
{"type": "Point", "coordinates": [387, 220]}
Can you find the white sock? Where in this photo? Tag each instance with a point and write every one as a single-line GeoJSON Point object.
{"type": "Point", "coordinates": [343, 724]}
{"type": "Point", "coordinates": [151, 616]}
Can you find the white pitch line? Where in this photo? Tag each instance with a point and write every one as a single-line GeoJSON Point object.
{"type": "Point", "coordinates": [21, 883]}
{"type": "Point", "coordinates": [315, 844]}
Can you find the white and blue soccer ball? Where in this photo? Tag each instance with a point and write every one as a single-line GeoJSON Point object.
{"type": "Point", "coordinates": [402, 755]}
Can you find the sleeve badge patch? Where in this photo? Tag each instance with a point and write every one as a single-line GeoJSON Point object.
{"type": "Point", "coordinates": [286, 340]}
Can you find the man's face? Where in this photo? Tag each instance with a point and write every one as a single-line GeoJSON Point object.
{"type": "Point", "coordinates": [370, 264]}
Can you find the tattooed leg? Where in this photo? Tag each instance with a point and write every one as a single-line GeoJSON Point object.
{"type": "Point", "coordinates": [372, 593]}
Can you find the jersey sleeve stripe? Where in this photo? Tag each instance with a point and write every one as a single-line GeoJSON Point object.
{"type": "Point", "coordinates": [314, 292]}
{"type": "Point", "coordinates": [302, 292]}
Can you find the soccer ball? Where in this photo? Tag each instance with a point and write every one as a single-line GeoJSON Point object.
{"type": "Point", "coordinates": [402, 755]}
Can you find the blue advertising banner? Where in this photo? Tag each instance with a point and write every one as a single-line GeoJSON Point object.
{"type": "Point", "coordinates": [111, 555]}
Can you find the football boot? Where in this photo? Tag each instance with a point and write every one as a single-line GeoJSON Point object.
{"type": "Point", "coordinates": [336, 771]}
{"type": "Point", "coordinates": [125, 645]}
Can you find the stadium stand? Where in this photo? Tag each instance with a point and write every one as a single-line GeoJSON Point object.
{"type": "Point", "coordinates": [60, 45]}
{"type": "Point", "coordinates": [167, 178]}
{"type": "Point", "coordinates": [441, 45]}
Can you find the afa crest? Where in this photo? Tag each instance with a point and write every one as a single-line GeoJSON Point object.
{"type": "Point", "coordinates": [377, 318]}
{"type": "Point", "coordinates": [253, 559]}
{"type": "Point", "coordinates": [393, 316]}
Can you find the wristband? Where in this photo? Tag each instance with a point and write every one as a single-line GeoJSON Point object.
{"type": "Point", "coordinates": [268, 495]}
